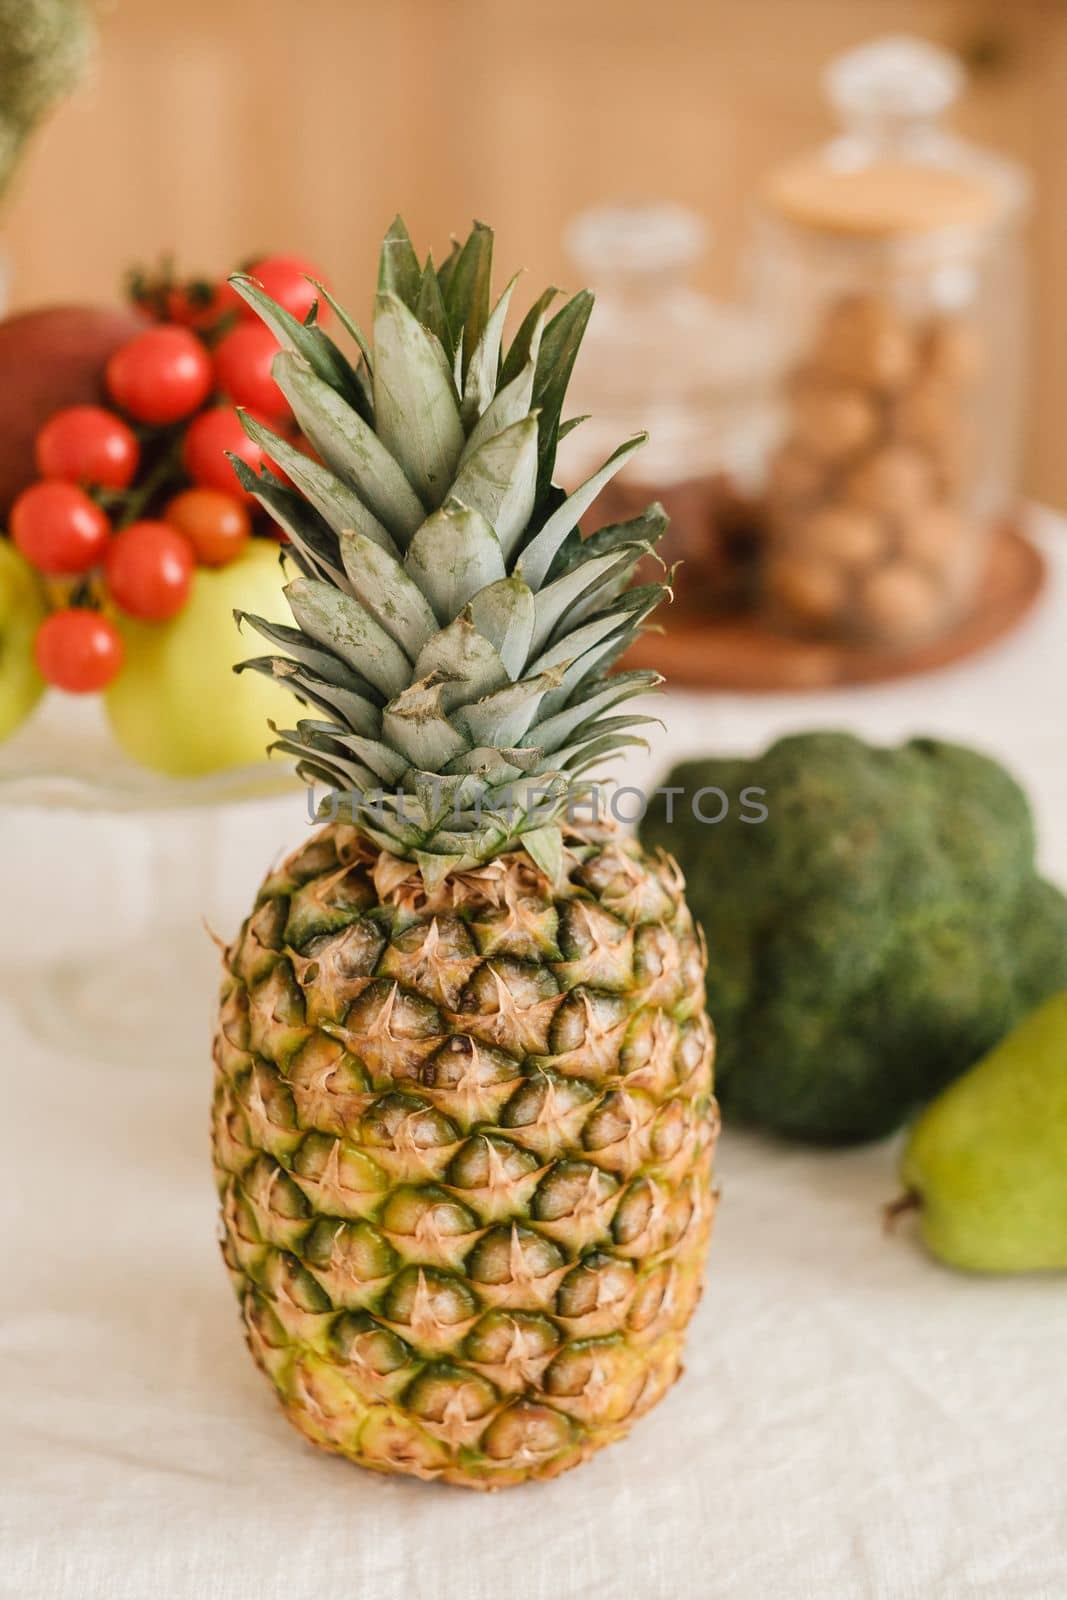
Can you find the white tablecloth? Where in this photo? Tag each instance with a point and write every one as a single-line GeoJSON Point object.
{"type": "Point", "coordinates": [854, 1421]}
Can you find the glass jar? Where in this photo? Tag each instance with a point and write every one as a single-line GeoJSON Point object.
{"type": "Point", "coordinates": [891, 261]}
{"type": "Point", "coordinates": [697, 375]}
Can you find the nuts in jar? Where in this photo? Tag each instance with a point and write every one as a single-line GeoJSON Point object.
{"type": "Point", "coordinates": [867, 537]}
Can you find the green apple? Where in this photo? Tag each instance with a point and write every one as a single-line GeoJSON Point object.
{"type": "Point", "coordinates": [22, 608]}
{"type": "Point", "coordinates": [177, 705]}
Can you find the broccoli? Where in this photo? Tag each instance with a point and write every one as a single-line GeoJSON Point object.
{"type": "Point", "coordinates": [873, 937]}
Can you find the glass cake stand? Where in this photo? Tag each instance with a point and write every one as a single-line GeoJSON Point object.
{"type": "Point", "coordinates": [114, 876]}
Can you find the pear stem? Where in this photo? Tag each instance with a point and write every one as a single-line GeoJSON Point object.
{"type": "Point", "coordinates": [910, 1200]}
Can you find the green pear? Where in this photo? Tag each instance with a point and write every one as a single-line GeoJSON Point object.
{"type": "Point", "coordinates": [177, 705]}
{"type": "Point", "coordinates": [22, 609]}
{"type": "Point", "coordinates": [986, 1162]}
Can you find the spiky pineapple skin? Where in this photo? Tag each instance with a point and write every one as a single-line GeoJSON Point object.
{"type": "Point", "coordinates": [463, 1142]}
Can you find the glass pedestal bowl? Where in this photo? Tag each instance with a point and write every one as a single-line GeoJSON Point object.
{"type": "Point", "coordinates": [119, 883]}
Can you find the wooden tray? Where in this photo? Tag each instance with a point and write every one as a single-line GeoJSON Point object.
{"type": "Point", "coordinates": [742, 653]}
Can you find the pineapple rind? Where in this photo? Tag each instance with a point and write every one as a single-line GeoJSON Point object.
{"type": "Point", "coordinates": [463, 1140]}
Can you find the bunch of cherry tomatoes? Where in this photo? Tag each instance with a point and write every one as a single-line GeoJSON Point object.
{"type": "Point", "coordinates": [131, 498]}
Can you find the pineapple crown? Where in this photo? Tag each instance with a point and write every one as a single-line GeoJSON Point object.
{"type": "Point", "coordinates": [454, 629]}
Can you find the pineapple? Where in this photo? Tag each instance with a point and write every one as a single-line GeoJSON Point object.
{"type": "Point", "coordinates": [463, 1122]}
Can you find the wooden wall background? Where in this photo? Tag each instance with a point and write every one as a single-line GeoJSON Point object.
{"type": "Point", "coordinates": [217, 127]}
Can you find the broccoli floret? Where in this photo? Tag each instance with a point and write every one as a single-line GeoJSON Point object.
{"type": "Point", "coordinates": [883, 928]}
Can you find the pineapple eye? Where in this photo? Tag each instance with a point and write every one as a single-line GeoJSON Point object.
{"type": "Point", "coordinates": [653, 1293]}
{"type": "Point", "coordinates": [312, 860]}
{"type": "Point", "coordinates": [571, 1189]}
{"type": "Point", "coordinates": [484, 1161]}
{"type": "Point", "coordinates": [544, 1094]}
{"type": "Point", "coordinates": [524, 1431]}
{"type": "Point", "coordinates": [397, 1122]}
{"type": "Point", "coordinates": [506, 1336]}
{"type": "Point", "coordinates": [272, 1192]}
{"type": "Point", "coordinates": [525, 986]}
{"type": "Point", "coordinates": [599, 1283]}
{"type": "Point", "coordinates": [513, 1256]}
{"type": "Point", "coordinates": [423, 1296]}
{"type": "Point", "coordinates": [634, 1212]}
{"type": "Point", "coordinates": [361, 1342]}
{"type": "Point", "coordinates": [463, 1063]}
{"type": "Point", "coordinates": [290, 1284]}
{"type": "Point", "coordinates": [386, 1010]}
{"type": "Point", "coordinates": [614, 1119]}
{"type": "Point", "coordinates": [415, 1213]}
{"type": "Point", "coordinates": [448, 1394]}
{"type": "Point", "coordinates": [354, 1252]}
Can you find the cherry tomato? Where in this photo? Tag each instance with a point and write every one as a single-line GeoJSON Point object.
{"type": "Point", "coordinates": [78, 650]}
{"type": "Point", "coordinates": [149, 570]}
{"type": "Point", "coordinates": [88, 445]}
{"type": "Point", "coordinates": [162, 375]}
{"type": "Point", "coordinates": [285, 279]}
{"type": "Point", "coordinates": [207, 439]}
{"type": "Point", "coordinates": [217, 525]}
{"type": "Point", "coordinates": [201, 305]}
{"type": "Point", "coordinates": [242, 369]}
{"type": "Point", "coordinates": [58, 528]}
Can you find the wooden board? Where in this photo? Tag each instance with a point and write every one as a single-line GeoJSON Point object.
{"type": "Point", "coordinates": [741, 653]}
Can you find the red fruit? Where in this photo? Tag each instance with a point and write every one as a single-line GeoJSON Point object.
{"type": "Point", "coordinates": [285, 279]}
{"type": "Point", "coordinates": [242, 369]}
{"type": "Point", "coordinates": [78, 650]}
{"type": "Point", "coordinates": [59, 529]}
{"type": "Point", "coordinates": [207, 439]}
{"type": "Point", "coordinates": [163, 375]}
{"type": "Point", "coordinates": [201, 305]}
{"type": "Point", "coordinates": [216, 524]}
{"type": "Point", "coordinates": [149, 570]}
{"type": "Point", "coordinates": [50, 359]}
{"type": "Point", "coordinates": [88, 445]}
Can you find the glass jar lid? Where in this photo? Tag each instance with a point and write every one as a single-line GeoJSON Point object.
{"type": "Point", "coordinates": [894, 172]}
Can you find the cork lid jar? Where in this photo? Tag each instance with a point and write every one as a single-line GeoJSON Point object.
{"type": "Point", "coordinates": [890, 262]}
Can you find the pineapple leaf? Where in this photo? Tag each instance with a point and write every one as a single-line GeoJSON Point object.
{"type": "Point", "coordinates": [502, 718]}
{"type": "Point", "coordinates": [539, 554]}
{"type": "Point", "coordinates": [341, 625]}
{"type": "Point", "coordinates": [398, 265]}
{"type": "Point", "coordinates": [499, 480]}
{"type": "Point", "coordinates": [552, 603]}
{"type": "Point", "coordinates": [467, 293]}
{"type": "Point", "coordinates": [511, 404]}
{"type": "Point", "coordinates": [415, 724]}
{"type": "Point", "coordinates": [435, 867]}
{"type": "Point", "coordinates": [384, 763]}
{"type": "Point", "coordinates": [504, 614]}
{"type": "Point", "coordinates": [551, 733]}
{"type": "Point", "coordinates": [454, 554]}
{"type": "Point", "coordinates": [349, 323]}
{"type": "Point", "coordinates": [297, 645]}
{"type": "Point", "coordinates": [416, 412]}
{"type": "Point", "coordinates": [430, 310]}
{"type": "Point", "coordinates": [495, 766]}
{"type": "Point", "coordinates": [465, 664]}
{"type": "Point", "coordinates": [527, 340]}
{"type": "Point", "coordinates": [350, 448]}
{"type": "Point", "coordinates": [309, 532]}
{"type": "Point", "coordinates": [309, 342]}
{"type": "Point", "coordinates": [544, 846]}
{"type": "Point", "coordinates": [448, 265]}
{"type": "Point", "coordinates": [380, 583]}
{"type": "Point", "coordinates": [555, 362]}
{"type": "Point", "coordinates": [648, 528]}
{"type": "Point", "coordinates": [337, 503]}
{"type": "Point", "coordinates": [352, 709]}
{"type": "Point", "coordinates": [483, 370]}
